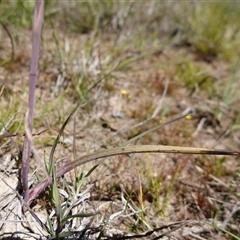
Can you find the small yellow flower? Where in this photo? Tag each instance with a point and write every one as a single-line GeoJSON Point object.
{"type": "Point", "coordinates": [188, 117]}
{"type": "Point", "coordinates": [124, 92]}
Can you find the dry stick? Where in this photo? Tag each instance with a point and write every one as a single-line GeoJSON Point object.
{"type": "Point", "coordinates": [226, 221]}
{"type": "Point", "coordinates": [36, 36]}
{"type": "Point", "coordinates": [11, 40]}
{"type": "Point", "coordinates": [10, 135]}
{"type": "Point", "coordinates": [158, 108]}
{"type": "Point", "coordinates": [153, 129]}
{"type": "Point", "coordinates": [5, 126]}
{"type": "Point", "coordinates": [124, 150]}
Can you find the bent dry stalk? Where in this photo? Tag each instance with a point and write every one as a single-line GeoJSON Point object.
{"type": "Point", "coordinates": [33, 193]}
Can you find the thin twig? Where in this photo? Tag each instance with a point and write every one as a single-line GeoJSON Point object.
{"type": "Point", "coordinates": [156, 111]}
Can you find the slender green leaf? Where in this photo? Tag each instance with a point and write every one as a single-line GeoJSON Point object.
{"type": "Point", "coordinates": [229, 233]}
{"type": "Point", "coordinates": [91, 170]}
{"type": "Point", "coordinates": [50, 226]}
{"type": "Point", "coordinates": [58, 137]}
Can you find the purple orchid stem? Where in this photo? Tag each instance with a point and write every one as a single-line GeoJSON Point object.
{"type": "Point", "coordinates": [36, 37]}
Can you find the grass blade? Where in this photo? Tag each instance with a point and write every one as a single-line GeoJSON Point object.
{"type": "Point", "coordinates": [127, 150]}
